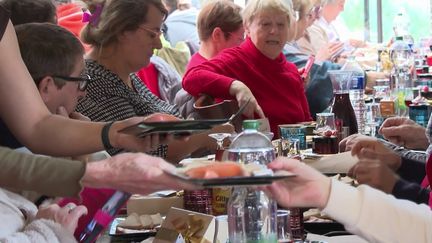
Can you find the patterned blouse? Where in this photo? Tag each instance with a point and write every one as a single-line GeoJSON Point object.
{"type": "Point", "coordinates": [110, 99]}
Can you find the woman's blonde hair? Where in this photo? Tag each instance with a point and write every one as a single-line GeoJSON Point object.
{"type": "Point", "coordinates": [303, 6]}
{"type": "Point", "coordinates": [116, 17]}
{"type": "Point", "coordinates": [254, 7]}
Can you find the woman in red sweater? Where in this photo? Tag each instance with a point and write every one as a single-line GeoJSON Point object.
{"type": "Point", "coordinates": [259, 65]}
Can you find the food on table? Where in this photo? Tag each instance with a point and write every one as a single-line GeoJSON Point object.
{"type": "Point", "coordinates": [216, 170]}
{"type": "Point", "coordinates": [139, 222]}
{"type": "Point", "coordinates": [160, 117]}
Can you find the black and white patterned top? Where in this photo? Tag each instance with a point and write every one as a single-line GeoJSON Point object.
{"type": "Point", "coordinates": [110, 99]}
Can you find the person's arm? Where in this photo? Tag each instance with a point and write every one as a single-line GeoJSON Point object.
{"type": "Point", "coordinates": [208, 78]}
{"type": "Point", "coordinates": [213, 78]}
{"type": "Point", "coordinates": [23, 222]}
{"type": "Point", "coordinates": [418, 157]}
{"type": "Point", "coordinates": [412, 170]}
{"type": "Point", "coordinates": [378, 217]}
{"type": "Point", "coordinates": [369, 213]}
{"type": "Point", "coordinates": [45, 175]}
{"type": "Point", "coordinates": [41, 230]}
{"type": "Point", "coordinates": [25, 114]}
{"type": "Point", "coordinates": [411, 191]}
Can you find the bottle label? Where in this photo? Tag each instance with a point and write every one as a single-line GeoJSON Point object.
{"type": "Point", "coordinates": [220, 200]}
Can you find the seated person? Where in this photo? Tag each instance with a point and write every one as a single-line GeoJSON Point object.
{"type": "Point", "coordinates": [161, 79]}
{"type": "Point", "coordinates": [323, 32]}
{"type": "Point", "coordinates": [26, 11]}
{"type": "Point", "coordinates": [257, 66]}
{"type": "Point", "coordinates": [364, 211]}
{"type": "Point", "coordinates": [220, 26]}
{"type": "Point", "coordinates": [181, 24]}
{"type": "Point", "coordinates": [69, 16]}
{"type": "Point", "coordinates": [393, 169]}
{"type": "Point", "coordinates": [59, 75]}
{"type": "Point", "coordinates": [116, 92]}
{"type": "Point", "coordinates": [23, 222]}
{"type": "Point", "coordinates": [319, 89]}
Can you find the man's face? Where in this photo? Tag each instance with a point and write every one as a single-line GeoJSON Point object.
{"type": "Point", "coordinates": [67, 96]}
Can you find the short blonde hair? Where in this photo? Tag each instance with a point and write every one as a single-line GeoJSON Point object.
{"type": "Point", "coordinates": [303, 6]}
{"type": "Point", "coordinates": [254, 7]}
{"type": "Point", "coordinates": [117, 16]}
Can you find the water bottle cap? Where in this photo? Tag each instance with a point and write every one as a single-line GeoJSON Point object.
{"type": "Point", "coordinates": [251, 124]}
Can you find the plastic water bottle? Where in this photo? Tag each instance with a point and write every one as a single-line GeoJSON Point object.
{"type": "Point", "coordinates": [251, 214]}
{"type": "Point", "coordinates": [356, 92]}
{"type": "Point", "coordinates": [359, 105]}
{"type": "Point", "coordinates": [403, 60]}
{"type": "Point", "coordinates": [401, 27]}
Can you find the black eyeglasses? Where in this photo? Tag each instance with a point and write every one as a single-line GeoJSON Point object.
{"type": "Point", "coordinates": [84, 80]}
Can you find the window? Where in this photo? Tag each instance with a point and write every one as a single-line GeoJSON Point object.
{"type": "Point", "coordinates": [362, 18]}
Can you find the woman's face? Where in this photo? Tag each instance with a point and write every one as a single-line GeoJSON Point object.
{"type": "Point", "coordinates": [138, 45]}
{"type": "Point", "coordinates": [269, 31]}
{"type": "Point", "coordinates": [307, 20]}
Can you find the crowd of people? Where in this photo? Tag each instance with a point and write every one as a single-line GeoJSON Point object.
{"type": "Point", "coordinates": [68, 86]}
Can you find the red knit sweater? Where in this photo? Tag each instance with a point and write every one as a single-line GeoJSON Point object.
{"type": "Point", "coordinates": [276, 84]}
{"type": "Point", "coordinates": [195, 60]}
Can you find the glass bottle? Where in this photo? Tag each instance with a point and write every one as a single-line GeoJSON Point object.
{"type": "Point", "coordinates": [251, 214]}
{"type": "Point", "coordinates": [345, 119]}
{"type": "Point", "coordinates": [220, 195]}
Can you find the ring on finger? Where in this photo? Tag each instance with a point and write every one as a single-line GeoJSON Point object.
{"type": "Point", "coordinates": [70, 207]}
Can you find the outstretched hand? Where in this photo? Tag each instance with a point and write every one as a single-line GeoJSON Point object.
{"type": "Point", "coordinates": [133, 173]}
{"type": "Point", "coordinates": [309, 188]}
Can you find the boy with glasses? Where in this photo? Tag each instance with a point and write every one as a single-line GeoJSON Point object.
{"type": "Point", "coordinates": [54, 57]}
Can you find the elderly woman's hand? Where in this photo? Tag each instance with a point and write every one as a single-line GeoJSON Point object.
{"type": "Point", "coordinates": [375, 150]}
{"type": "Point", "coordinates": [330, 51]}
{"type": "Point", "coordinates": [348, 143]}
{"type": "Point", "coordinates": [309, 188]}
{"type": "Point", "coordinates": [374, 173]}
{"type": "Point", "coordinates": [134, 173]}
{"type": "Point", "coordinates": [404, 132]}
{"type": "Point", "coordinates": [66, 216]}
{"type": "Point", "coordinates": [243, 94]}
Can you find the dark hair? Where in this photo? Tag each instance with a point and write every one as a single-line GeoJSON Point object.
{"type": "Point", "coordinates": [30, 11]}
{"type": "Point", "coordinates": [117, 17]}
{"type": "Point", "coordinates": [48, 49]}
{"type": "Point", "coordinates": [221, 13]}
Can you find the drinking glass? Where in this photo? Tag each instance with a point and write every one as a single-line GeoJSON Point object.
{"type": "Point", "coordinates": [219, 137]}
{"type": "Point", "coordinates": [325, 123]}
{"type": "Point", "coordinates": [283, 226]}
{"type": "Point", "coordinates": [373, 116]}
{"type": "Point", "coordinates": [290, 148]}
